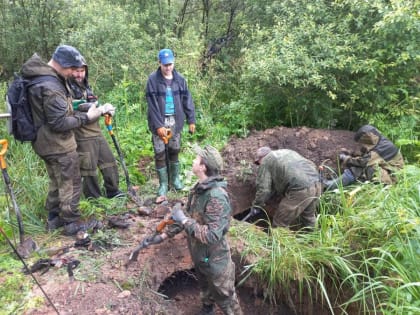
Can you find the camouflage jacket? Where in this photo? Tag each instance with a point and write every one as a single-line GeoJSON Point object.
{"type": "Point", "coordinates": [210, 214]}
{"type": "Point", "coordinates": [81, 91]}
{"type": "Point", "coordinates": [281, 171]}
{"type": "Point", "coordinates": [380, 158]}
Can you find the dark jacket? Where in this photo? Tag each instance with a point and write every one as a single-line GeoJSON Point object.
{"type": "Point", "coordinates": [210, 214]}
{"type": "Point", "coordinates": [155, 96]}
{"type": "Point", "coordinates": [380, 159]}
{"type": "Point", "coordinates": [51, 109]}
{"type": "Point", "coordinates": [281, 171]}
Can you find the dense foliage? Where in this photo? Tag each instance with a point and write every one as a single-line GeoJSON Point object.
{"type": "Point", "coordinates": [254, 64]}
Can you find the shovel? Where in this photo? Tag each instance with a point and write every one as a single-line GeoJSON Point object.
{"type": "Point", "coordinates": [147, 241]}
{"type": "Point", "coordinates": [166, 139]}
{"type": "Point", "coordinates": [130, 189]}
{"type": "Point", "coordinates": [26, 246]}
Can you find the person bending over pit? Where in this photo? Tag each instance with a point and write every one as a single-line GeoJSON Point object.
{"type": "Point", "coordinates": [287, 174]}
{"type": "Point", "coordinates": [378, 162]}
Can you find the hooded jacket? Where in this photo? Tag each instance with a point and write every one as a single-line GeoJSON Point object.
{"type": "Point", "coordinates": [210, 214]}
{"type": "Point", "coordinates": [83, 91]}
{"type": "Point", "coordinates": [51, 109]}
{"type": "Point", "coordinates": [155, 95]}
{"type": "Point", "coordinates": [380, 158]}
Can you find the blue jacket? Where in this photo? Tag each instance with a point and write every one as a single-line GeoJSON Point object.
{"type": "Point", "coordinates": [155, 96]}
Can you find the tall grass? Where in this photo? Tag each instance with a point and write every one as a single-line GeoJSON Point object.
{"type": "Point", "coordinates": [362, 256]}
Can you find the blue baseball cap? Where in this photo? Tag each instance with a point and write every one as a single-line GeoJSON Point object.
{"type": "Point", "coordinates": [68, 57]}
{"type": "Point", "coordinates": [166, 56]}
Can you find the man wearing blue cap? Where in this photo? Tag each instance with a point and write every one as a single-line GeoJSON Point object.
{"type": "Point", "coordinates": [55, 143]}
{"type": "Point", "coordinates": [169, 105]}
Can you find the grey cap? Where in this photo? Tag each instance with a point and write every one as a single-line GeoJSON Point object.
{"type": "Point", "coordinates": [211, 156]}
{"type": "Point", "coordinates": [68, 57]}
{"type": "Point", "coordinates": [261, 152]}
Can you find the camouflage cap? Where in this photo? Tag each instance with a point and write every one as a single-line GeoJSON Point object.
{"type": "Point", "coordinates": [261, 152]}
{"type": "Point", "coordinates": [211, 156]}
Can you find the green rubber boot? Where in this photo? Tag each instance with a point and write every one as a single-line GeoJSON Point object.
{"type": "Point", "coordinates": [175, 181]}
{"type": "Point", "coordinates": [163, 181]}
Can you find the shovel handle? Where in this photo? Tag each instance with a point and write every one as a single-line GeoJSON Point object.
{"type": "Point", "coordinates": [162, 225]}
{"type": "Point", "coordinates": [108, 123]}
{"type": "Point", "coordinates": [168, 135]}
{"type": "Point", "coordinates": [4, 144]}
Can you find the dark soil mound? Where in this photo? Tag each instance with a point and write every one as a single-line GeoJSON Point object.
{"type": "Point", "coordinates": [321, 146]}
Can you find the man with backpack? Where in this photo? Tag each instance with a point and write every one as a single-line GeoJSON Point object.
{"type": "Point", "coordinates": [94, 151]}
{"type": "Point", "coordinates": [55, 143]}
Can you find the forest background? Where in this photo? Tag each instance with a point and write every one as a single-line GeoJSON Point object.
{"type": "Point", "coordinates": [250, 64]}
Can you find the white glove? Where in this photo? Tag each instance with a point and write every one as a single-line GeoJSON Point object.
{"type": "Point", "coordinates": [342, 157]}
{"type": "Point", "coordinates": [94, 113]}
{"type": "Point", "coordinates": [109, 109]}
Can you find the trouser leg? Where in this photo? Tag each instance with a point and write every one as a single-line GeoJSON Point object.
{"type": "Point", "coordinates": [64, 187]}
{"type": "Point", "coordinates": [294, 203]}
{"type": "Point", "coordinates": [345, 179]}
{"type": "Point", "coordinates": [220, 290]}
{"type": "Point", "coordinates": [108, 167]}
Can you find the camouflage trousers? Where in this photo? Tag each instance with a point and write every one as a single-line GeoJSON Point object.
{"type": "Point", "coordinates": [220, 289]}
{"type": "Point", "coordinates": [64, 187]}
{"type": "Point", "coordinates": [298, 204]}
{"type": "Point", "coordinates": [95, 153]}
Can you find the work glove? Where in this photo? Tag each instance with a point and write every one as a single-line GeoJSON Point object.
{"type": "Point", "coordinates": [178, 215]}
{"type": "Point", "coordinates": [94, 113]}
{"type": "Point", "coordinates": [342, 157]}
{"type": "Point", "coordinates": [191, 128]}
{"type": "Point", "coordinates": [162, 132]}
{"type": "Point", "coordinates": [109, 109]}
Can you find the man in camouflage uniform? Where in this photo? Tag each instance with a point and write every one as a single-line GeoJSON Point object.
{"type": "Point", "coordinates": [94, 151]}
{"type": "Point", "coordinates": [379, 161]}
{"type": "Point", "coordinates": [288, 174]}
{"type": "Point", "coordinates": [209, 215]}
